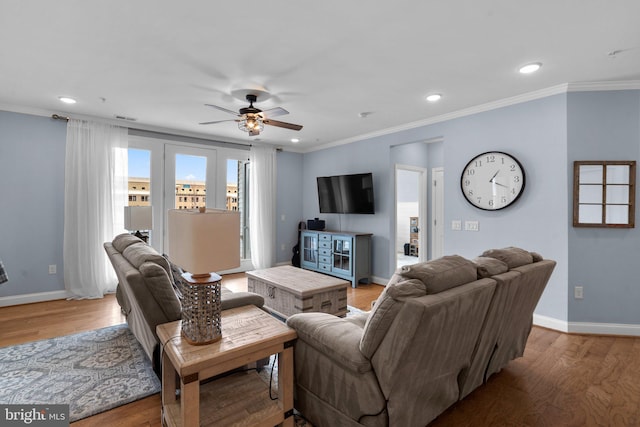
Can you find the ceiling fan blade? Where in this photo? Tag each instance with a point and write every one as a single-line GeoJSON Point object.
{"type": "Point", "coordinates": [281, 124]}
{"type": "Point", "coordinates": [274, 112]}
{"type": "Point", "coordinates": [217, 121]}
{"type": "Point", "coordinates": [223, 109]}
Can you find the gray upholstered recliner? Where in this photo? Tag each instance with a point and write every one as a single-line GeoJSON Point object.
{"type": "Point", "coordinates": [437, 331]}
{"type": "Point", "coordinates": [147, 292]}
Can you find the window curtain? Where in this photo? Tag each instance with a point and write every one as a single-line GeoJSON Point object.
{"type": "Point", "coordinates": [262, 206]}
{"type": "Point", "coordinates": [95, 196]}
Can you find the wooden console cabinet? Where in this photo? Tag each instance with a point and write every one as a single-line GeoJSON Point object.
{"type": "Point", "coordinates": [341, 254]}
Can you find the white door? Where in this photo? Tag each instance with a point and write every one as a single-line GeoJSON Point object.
{"type": "Point", "coordinates": [437, 212]}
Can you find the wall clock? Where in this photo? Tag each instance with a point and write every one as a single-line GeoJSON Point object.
{"type": "Point", "coordinates": [492, 180]}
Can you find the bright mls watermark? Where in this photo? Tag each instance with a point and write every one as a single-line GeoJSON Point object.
{"type": "Point", "coordinates": [34, 415]}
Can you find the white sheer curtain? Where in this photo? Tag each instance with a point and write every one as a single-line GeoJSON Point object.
{"type": "Point", "coordinates": [95, 190]}
{"type": "Point", "coordinates": [262, 206]}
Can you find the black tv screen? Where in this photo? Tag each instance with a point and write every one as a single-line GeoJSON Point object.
{"type": "Point", "coordinates": [351, 194]}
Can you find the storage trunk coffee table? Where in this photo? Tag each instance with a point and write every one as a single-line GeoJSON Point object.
{"type": "Point", "coordinates": [288, 290]}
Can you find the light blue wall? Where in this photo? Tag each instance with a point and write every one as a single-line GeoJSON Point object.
{"type": "Point", "coordinates": [32, 151]}
{"type": "Point", "coordinates": [288, 206]}
{"type": "Point", "coordinates": [546, 135]}
{"type": "Point", "coordinates": [535, 132]}
{"type": "Point", "coordinates": [604, 126]}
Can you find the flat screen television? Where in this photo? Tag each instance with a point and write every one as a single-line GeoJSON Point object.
{"type": "Point", "coordinates": [352, 194]}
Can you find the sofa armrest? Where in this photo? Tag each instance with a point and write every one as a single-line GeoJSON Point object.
{"type": "Point", "coordinates": [335, 337]}
{"type": "Point", "coordinates": [238, 299]}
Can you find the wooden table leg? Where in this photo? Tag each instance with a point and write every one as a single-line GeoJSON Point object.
{"type": "Point", "coordinates": [169, 383]}
{"type": "Point", "coordinates": [190, 402]}
{"type": "Point", "coordinates": [285, 383]}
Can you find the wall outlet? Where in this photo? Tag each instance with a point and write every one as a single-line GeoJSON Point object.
{"type": "Point", "coordinates": [578, 292]}
{"type": "Point", "coordinates": [471, 226]}
{"type": "Point", "coordinates": [282, 247]}
{"type": "Point", "coordinates": [53, 269]}
{"type": "Point", "coordinates": [456, 224]}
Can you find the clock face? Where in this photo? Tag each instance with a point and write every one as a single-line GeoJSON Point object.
{"type": "Point", "coordinates": [492, 180]}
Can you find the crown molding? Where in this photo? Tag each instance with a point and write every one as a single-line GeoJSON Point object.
{"type": "Point", "coordinates": [604, 86]}
{"type": "Point", "coordinates": [493, 105]}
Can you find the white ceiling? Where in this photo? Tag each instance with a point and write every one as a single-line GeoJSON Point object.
{"type": "Point", "coordinates": [324, 61]}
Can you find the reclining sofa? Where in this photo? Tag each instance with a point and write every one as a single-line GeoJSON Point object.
{"type": "Point", "coordinates": [148, 292]}
{"type": "Point", "coordinates": [437, 332]}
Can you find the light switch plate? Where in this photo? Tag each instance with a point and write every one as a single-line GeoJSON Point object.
{"type": "Point", "coordinates": [471, 226]}
{"type": "Point", "coordinates": [456, 224]}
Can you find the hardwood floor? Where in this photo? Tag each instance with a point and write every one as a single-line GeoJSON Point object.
{"type": "Point", "coordinates": [562, 380]}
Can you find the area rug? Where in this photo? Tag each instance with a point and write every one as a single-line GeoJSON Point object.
{"type": "Point", "coordinates": [92, 372]}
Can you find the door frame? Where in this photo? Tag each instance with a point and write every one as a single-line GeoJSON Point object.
{"type": "Point", "coordinates": [422, 209]}
{"type": "Point", "coordinates": [437, 212]}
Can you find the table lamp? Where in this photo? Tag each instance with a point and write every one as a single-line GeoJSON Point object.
{"type": "Point", "coordinates": [138, 218]}
{"type": "Point", "coordinates": [202, 241]}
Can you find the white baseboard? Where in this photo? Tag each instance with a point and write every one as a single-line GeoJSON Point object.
{"type": "Point", "coordinates": [604, 329]}
{"type": "Point", "coordinates": [31, 298]}
{"type": "Point", "coordinates": [550, 323]}
{"type": "Point", "coordinates": [587, 327]}
{"type": "Point", "coordinates": [379, 281]}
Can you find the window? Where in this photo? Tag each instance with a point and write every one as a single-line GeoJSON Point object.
{"type": "Point", "coordinates": [139, 177]}
{"type": "Point", "coordinates": [604, 194]}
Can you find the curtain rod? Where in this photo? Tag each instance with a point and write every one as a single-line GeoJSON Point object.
{"type": "Point", "coordinates": [163, 135]}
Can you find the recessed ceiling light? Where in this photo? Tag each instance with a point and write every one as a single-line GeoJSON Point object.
{"type": "Point", "coordinates": [67, 100]}
{"type": "Point", "coordinates": [530, 68]}
{"type": "Point", "coordinates": [434, 97]}
{"type": "Point", "coordinates": [294, 140]}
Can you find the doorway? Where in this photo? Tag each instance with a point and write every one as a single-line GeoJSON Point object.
{"type": "Point", "coordinates": [411, 215]}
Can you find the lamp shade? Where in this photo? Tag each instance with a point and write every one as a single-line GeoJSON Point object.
{"type": "Point", "coordinates": [204, 242]}
{"type": "Point", "coordinates": [137, 218]}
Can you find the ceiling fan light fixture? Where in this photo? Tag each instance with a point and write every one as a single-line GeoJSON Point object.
{"type": "Point", "coordinates": [251, 124]}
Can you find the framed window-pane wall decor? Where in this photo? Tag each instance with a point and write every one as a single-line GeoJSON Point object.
{"type": "Point", "coordinates": [604, 193]}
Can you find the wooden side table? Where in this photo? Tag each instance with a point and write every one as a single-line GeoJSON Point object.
{"type": "Point", "coordinates": [240, 399]}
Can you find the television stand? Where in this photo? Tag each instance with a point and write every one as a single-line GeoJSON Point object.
{"type": "Point", "coordinates": [342, 254]}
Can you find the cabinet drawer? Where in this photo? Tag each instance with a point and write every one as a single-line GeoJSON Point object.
{"type": "Point", "coordinates": [325, 244]}
{"type": "Point", "coordinates": [325, 251]}
{"type": "Point", "coordinates": [322, 236]}
{"type": "Point", "coordinates": [324, 267]}
{"type": "Point", "coordinates": [325, 259]}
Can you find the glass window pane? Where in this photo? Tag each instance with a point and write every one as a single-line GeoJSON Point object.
{"type": "Point", "coordinates": [191, 172]}
{"type": "Point", "coordinates": [591, 174]}
{"type": "Point", "coordinates": [139, 187]}
{"type": "Point", "coordinates": [590, 214]}
{"type": "Point", "coordinates": [232, 184]}
{"type": "Point", "coordinates": [590, 194]}
{"type": "Point", "coordinates": [617, 174]}
{"type": "Point", "coordinates": [616, 214]}
{"type": "Point", "coordinates": [618, 194]}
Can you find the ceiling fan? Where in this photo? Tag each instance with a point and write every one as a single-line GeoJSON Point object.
{"type": "Point", "coordinates": [252, 120]}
